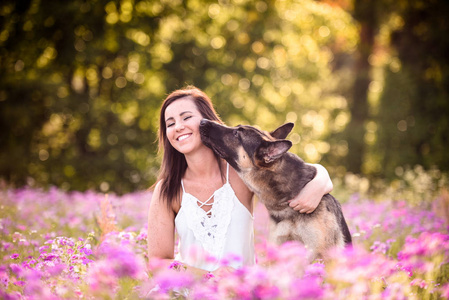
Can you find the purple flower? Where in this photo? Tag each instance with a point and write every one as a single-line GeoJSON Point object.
{"type": "Point", "coordinates": [307, 288]}
{"type": "Point", "coordinates": [266, 292]}
{"type": "Point", "coordinates": [169, 280]}
{"type": "Point", "coordinates": [86, 251]}
{"type": "Point", "coordinates": [6, 246]}
{"type": "Point", "coordinates": [101, 277]}
{"type": "Point", "coordinates": [208, 276]}
{"type": "Point", "coordinates": [43, 248]}
{"type": "Point", "coordinates": [316, 269]}
{"type": "Point", "coordinates": [19, 283]}
{"type": "Point", "coordinates": [16, 269]}
{"type": "Point", "coordinates": [122, 259]}
{"type": "Point", "coordinates": [4, 279]}
{"type": "Point", "coordinates": [445, 291]}
{"type": "Point", "coordinates": [15, 256]}
{"type": "Point", "coordinates": [417, 253]}
{"type": "Point", "coordinates": [56, 269]}
{"type": "Point", "coordinates": [29, 264]}
{"type": "Point", "coordinates": [48, 256]}
{"type": "Point", "coordinates": [419, 282]}
{"type": "Point", "coordinates": [86, 261]}
{"type": "Point", "coordinates": [230, 259]}
{"type": "Point", "coordinates": [176, 265]}
{"type": "Point", "coordinates": [142, 235]}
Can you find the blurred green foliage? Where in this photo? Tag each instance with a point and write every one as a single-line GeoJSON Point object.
{"type": "Point", "coordinates": [82, 82]}
{"type": "Point", "coordinates": [414, 104]}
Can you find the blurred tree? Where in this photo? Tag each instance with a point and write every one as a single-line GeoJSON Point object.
{"type": "Point", "coordinates": [82, 81]}
{"type": "Point", "coordinates": [67, 118]}
{"type": "Point", "coordinates": [398, 115]}
{"type": "Point", "coordinates": [414, 109]}
{"type": "Point", "coordinates": [368, 17]}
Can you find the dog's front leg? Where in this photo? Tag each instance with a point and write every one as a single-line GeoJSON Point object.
{"type": "Point", "coordinates": [280, 232]}
{"type": "Point", "coordinates": [288, 230]}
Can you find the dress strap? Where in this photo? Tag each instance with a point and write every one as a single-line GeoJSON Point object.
{"type": "Point", "coordinates": [206, 202]}
{"type": "Point", "coordinates": [182, 184]}
{"type": "Point", "coordinates": [227, 172]}
{"type": "Point", "coordinates": [198, 200]}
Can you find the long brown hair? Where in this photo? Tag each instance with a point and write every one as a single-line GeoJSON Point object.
{"type": "Point", "coordinates": [174, 163]}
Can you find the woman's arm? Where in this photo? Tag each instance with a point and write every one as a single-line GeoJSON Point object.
{"type": "Point", "coordinates": [310, 196]}
{"type": "Point", "coordinates": [161, 228]}
{"type": "Point", "coordinates": [161, 236]}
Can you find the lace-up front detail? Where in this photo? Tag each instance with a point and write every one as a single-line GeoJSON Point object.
{"type": "Point", "coordinates": [215, 230]}
{"type": "Point", "coordinates": [210, 227]}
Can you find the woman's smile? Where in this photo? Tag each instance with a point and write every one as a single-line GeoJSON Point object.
{"type": "Point", "coordinates": [183, 137]}
{"type": "Point", "coordinates": [182, 120]}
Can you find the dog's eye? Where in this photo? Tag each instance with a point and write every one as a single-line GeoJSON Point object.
{"type": "Point", "coordinates": [236, 133]}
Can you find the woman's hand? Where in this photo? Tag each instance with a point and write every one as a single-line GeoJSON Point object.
{"type": "Point", "coordinates": [310, 196]}
{"type": "Point", "coordinates": [223, 271]}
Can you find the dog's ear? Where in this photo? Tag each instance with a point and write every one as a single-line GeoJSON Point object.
{"type": "Point", "coordinates": [282, 132]}
{"type": "Point", "coordinates": [269, 151]}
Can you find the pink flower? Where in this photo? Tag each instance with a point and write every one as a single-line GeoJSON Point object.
{"type": "Point", "coordinates": [4, 279]}
{"type": "Point", "coordinates": [445, 291]}
{"type": "Point", "coordinates": [419, 282]}
{"type": "Point", "coordinates": [43, 248]}
{"type": "Point", "coordinates": [208, 276]}
{"type": "Point", "coordinates": [101, 278]}
{"type": "Point", "coordinates": [307, 288]}
{"type": "Point", "coordinates": [123, 261]}
{"type": "Point", "coordinates": [170, 279]}
{"type": "Point", "coordinates": [176, 265]}
{"type": "Point", "coordinates": [266, 292]}
{"type": "Point", "coordinates": [16, 269]}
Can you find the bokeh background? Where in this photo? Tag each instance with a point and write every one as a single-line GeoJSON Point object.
{"type": "Point", "coordinates": [81, 82]}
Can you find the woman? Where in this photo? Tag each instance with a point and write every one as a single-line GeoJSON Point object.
{"type": "Point", "coordinates": [201, 197]}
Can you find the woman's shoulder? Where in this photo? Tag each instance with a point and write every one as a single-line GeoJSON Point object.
{"type": "Point", "coordinates": [235, 178]}
{"type": "Point", "coordinates": [156, 188]}
{"type": "Point", "coordinates": [158, 198]}
{"type": "Point", "coordinates": [239, 187]}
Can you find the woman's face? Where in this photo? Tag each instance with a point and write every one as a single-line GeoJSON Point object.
{"type": "Point", "coordinates": [182, 122]}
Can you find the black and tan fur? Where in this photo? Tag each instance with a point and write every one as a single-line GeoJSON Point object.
{"type": "Point", "coordinates": [275, 175]}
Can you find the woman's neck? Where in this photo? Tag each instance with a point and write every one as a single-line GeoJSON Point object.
{"type": "Point", "coordinates": [202, 164]}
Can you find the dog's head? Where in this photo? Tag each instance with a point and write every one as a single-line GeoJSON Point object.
{"type": "Point", "coordinates": [245, 146]}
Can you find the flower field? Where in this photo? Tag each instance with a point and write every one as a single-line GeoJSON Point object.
{"type": "Point", "coordinates": [61, 245]}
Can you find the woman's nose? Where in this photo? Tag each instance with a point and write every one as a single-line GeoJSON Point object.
{"type": "Point", "coordinates": [179, 126]}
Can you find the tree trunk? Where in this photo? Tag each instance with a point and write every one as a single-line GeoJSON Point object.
{"type": "Point", "coordinates": [363, 12]}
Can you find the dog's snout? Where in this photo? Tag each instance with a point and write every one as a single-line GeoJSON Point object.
{"type": "Point", "coordinates": [204, 128]}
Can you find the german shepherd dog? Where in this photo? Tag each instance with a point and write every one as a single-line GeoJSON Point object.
{"type": "Point", "coordinates": [275, 175]}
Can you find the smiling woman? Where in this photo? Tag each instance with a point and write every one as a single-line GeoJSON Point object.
{"type": "Point", "coordinates": [173, 162]}
{"type": "Point", "coordinates": [201, 197]}
{"type": "Point", "coordinates": [182, 121]}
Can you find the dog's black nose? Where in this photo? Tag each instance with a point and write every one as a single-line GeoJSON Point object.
{"type": "Point", "coordinates": [204, 121]}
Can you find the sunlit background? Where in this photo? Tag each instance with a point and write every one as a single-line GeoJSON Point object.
{"type": "Point", "coordinates": [365, 82]}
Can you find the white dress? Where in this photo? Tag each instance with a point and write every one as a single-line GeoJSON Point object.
{"type": "Point", "coordinates": [223, 235]}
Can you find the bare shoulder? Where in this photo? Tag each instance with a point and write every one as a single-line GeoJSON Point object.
{"type": "Point", "coordinates": [156, 193]}
{"type": "Point", "coordinates": [241, 190]}
{"type": "Point", "coordinates": [158, 203]}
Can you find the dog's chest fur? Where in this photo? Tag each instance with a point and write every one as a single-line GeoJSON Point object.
{"type": "Point", "coordinates": [279, 183]}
